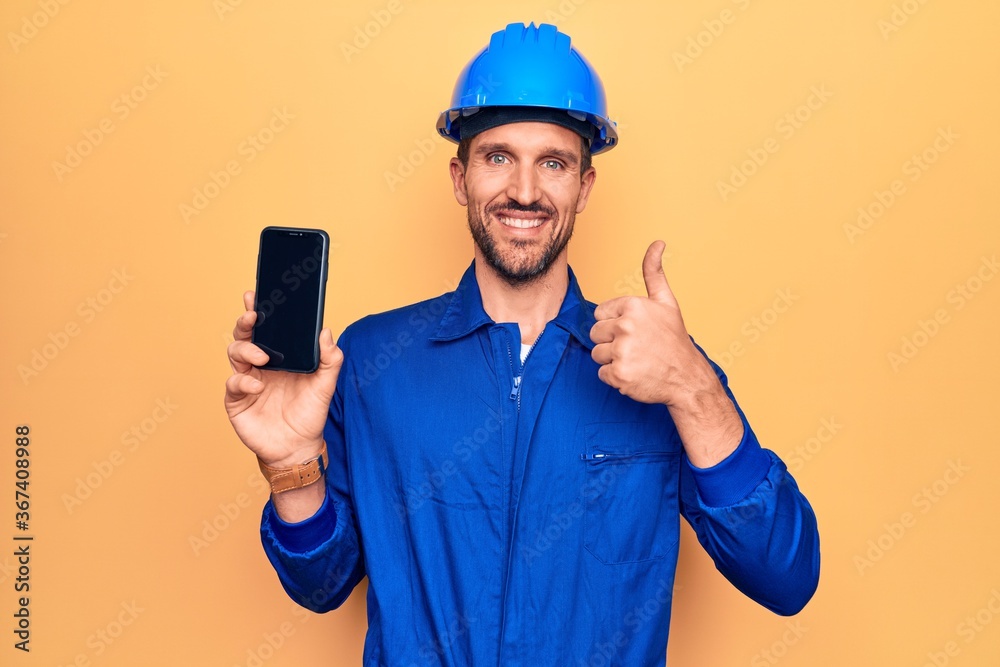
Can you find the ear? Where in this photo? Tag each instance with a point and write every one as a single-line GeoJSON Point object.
{"type": "Point", "coordinates": [457, 172]}
{"type": "Point", "coordinates": [586, 185]}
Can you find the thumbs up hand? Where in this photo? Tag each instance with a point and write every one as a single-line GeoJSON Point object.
{"type": "Point", "coordinates": [646, 354]}
{"type": "Point", "coordinates": [641, 342]}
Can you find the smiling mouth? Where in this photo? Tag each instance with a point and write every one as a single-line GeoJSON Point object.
{"type": "Point", "coordinates": [521, 223]}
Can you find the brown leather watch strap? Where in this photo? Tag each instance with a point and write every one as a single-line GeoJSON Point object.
{"type": "Point", "coordinates": [304, 474]}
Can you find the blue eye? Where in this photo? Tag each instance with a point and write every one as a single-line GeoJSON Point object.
{"type": "Point", "coordinates": [553, 164]}
{"type": "Point", "coordinates": [497, 158]}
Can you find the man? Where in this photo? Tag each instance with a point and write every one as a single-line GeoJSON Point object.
{"type": "Point", "coordinates": [507, 463]}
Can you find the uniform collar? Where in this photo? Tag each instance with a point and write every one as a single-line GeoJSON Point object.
{"type": "Point", "coordinates": [465, 312]}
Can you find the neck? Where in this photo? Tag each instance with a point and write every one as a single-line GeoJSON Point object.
{"type": "Point", "coordinates": [532, 305]}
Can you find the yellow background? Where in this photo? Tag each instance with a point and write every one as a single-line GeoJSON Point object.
{"type": "Point", "coordinates": [125, 553]}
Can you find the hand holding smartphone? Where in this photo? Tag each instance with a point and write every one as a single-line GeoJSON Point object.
{"type": "Point", "coordinates": [292, 267]}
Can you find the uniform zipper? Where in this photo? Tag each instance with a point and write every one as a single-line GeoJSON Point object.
{"type": "Point", "coordinates": [515, 394]}
{"type": "Point", "coordinates": [515, 390]}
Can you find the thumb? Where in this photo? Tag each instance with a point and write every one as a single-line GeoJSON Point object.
{"type": "Point", "coordinates": [331, 358]}
{"type": "Point", "coordinates": [652, 273]}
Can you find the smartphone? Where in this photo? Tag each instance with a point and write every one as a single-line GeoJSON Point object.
{"type": "Point", "coordinates": [292, 266]}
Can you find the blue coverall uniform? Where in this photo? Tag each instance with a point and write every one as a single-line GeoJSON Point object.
{"type": "Point", "coordinates": [527, 516]}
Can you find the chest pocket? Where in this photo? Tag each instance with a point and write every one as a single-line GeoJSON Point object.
{"type": "Point", "coordinates": [631, 487]}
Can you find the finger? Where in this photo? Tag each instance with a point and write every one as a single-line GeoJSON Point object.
{"type": "Point", "coordinates": [244, 325]}
{"type": "Point", "coordinates": [331, 358]}
{"type": "Point", "coordinates": [606, 374]}
{"type": "Point", "coordinates": [652, 274]}
{"type": "Point", "coordinates": [611, 308]}
{"type": "Point", "coordinates": [602, 353]}
{"type": "Point", "coordinates": [239, 386]}
{"type": "Point", "coordinates": [243, 355]}
{"type": "Point", "coordinates": [604, 331]}
{"type": "Point", "coordinates": [248, 299]}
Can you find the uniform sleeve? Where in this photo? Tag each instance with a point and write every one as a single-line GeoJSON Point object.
{"type": "Point", "coordinates": [750, 516]}
{"type": "Point", "coordinates": [319, 561]}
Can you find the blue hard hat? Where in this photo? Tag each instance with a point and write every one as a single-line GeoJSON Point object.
{"type": "Point", "coordinates": [531, 67]}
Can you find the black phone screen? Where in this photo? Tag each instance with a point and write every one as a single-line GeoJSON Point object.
{"type": "Point", "coordinates": [291, 289]}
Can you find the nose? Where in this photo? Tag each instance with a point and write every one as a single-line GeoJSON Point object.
{"type": "Point", "coordinates": [523, 186]}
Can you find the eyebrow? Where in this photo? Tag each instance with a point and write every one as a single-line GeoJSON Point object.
{"type": "Point", "coordinates": [564, 155]}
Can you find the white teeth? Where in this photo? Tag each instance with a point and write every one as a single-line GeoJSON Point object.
{"type": "Point", "coordinates": [522, 223]}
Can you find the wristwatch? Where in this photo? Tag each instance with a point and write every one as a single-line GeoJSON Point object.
{"type": "Point", "coordinates": [303, 474]}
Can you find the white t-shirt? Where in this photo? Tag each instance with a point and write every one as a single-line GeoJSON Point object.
{"type": "Point", "coordinates": [524, 351]}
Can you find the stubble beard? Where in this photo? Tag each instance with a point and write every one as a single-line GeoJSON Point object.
{"type": "Point", "coordinates": [519, 269]}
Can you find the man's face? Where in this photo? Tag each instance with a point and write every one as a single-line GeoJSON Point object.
{"type": "Point", "coordinates": [522, 189]}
